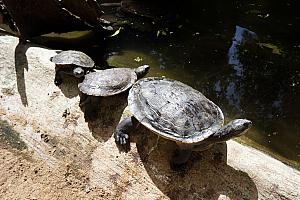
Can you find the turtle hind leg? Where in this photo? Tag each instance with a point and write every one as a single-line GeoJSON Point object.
{"type": "Point", "coordinates": [180, 158]}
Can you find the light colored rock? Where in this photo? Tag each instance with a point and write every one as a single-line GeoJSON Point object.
{"type": "Point", "coordinates": [273, 179]}
{"type": "Point", "coordinates": [67, 157]}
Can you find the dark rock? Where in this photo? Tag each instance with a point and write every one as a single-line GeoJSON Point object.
{"type": "Point", "coordinates": [34, 18]}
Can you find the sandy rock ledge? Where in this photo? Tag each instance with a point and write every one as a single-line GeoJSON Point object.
{"type": "Point", "coordinates": [49, 151]}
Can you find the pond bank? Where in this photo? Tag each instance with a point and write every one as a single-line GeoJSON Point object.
{"type": "Point", "coordinates": [60, 155]}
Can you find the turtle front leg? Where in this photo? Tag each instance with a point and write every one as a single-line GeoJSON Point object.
{"type": "Point", "coordinates": [58, 77]}
{"type": "Point", "coordinates": [124, 128]}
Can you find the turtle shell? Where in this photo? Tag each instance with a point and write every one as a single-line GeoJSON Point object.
{"type": "Point", "coordinates": [174, 110]}
{"type": "Point", "coordinates": [108, 82]}
{"type": "Point", "coordinates": [73, 58]}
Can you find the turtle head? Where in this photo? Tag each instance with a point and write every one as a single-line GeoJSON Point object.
{"type": "Point", "coordinates": [142, 71]}
{"type": "Point", "coordinates": [78, 72]}
{"type": "Point", "coordinates": [233, 129]}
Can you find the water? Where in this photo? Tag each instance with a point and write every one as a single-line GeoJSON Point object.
{"type": "Point", "coordinates": [244, 56]}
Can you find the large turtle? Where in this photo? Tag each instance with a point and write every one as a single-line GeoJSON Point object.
{"type": "Point", "coordinates": [177, 112]}
{"type": "Point", "coordinates": [75, 63]}
{"type": "Point", "coordinates": [102, 83]}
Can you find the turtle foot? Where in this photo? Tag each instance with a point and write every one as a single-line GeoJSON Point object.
{"type": "Point", "coordinates": [122, 133]}
{"type": "Point", "coordinates": [121, 138]}
{"type": "Point", "coordinates": [123, 130]}
{"type": "Point", "coordinates": [57, 82]}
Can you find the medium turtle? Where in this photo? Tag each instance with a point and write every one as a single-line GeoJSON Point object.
{"type": "Point", "coordinates": [177, 112]}
{"type": "Point", "coordinates": [73, 63]}
{"type": "Point", "coordinates": [102, 83]}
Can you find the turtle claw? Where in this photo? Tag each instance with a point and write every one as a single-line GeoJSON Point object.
{"type": "Point", "coordinates": [121, 138]}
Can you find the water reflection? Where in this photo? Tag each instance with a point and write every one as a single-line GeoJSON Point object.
{"type": "Point", "coordinates": [242, 36]}
{"type": "Point", "coordinates": [234, 89]}
{"type": "Point", "coordinates": [262, 87]}
{"type": "Point", "coordinates": [271, 98]}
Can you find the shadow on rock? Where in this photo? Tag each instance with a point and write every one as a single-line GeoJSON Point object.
{"type": "Point", "coordinates": [104, 114]}
{"type": "Point", "coordinates": [206, 176]}
{"type": "Point", "coordinates": [69, 87]}
{"type": "Point", "coordinates": [9, 137]}
{"type": "Point", "coordinates": [21, 63]}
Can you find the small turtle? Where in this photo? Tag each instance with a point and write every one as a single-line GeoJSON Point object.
{"type": "Point", "coordinates": [102, 83]}
{"type": "Point", "coordinates": [73, 63]}
{"type": "Point", "coordinates": [177, 112]}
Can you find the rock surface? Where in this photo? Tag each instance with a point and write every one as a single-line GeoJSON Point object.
{"type": "Point", "coordinates": [49, 151]}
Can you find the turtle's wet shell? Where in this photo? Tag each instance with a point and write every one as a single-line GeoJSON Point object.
{"type": "Point", "coordinates": [71, 57]}
{"type": "Point", "coordinates": [174, 110]}
{"type": "Point", "coordinates": [108, 82]}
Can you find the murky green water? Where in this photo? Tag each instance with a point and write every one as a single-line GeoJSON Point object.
{"type": "Point", "coordinates": [245, 56]}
